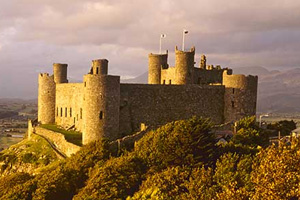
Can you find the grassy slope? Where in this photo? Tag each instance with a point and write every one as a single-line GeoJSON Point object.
{"type": "Point", "coordinates": [74, 137]}
{"type": "Point", "coordinates": [26, 156]}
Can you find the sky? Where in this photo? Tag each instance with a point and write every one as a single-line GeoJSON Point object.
{"type": "Point", "coordinates": [34, 34]}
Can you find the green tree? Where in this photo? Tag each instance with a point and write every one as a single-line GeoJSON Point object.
{"type": "Point", "coordinates": [276, 173]}
{"type": "Point", "coordinates": [232, 176]}
{"type": "Point", "coordinates": [184, 142]}
{"type": "Point", "coordinates": [285, 127]}
{"type": "Point", "coordinates": [116, 179]}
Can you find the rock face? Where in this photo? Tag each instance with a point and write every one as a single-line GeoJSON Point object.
{"type": "Point", "coordinates": [101, 106]}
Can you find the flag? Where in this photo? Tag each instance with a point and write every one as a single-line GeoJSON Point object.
{"type": "Point", "coordinates": [163, 35]}
{"type": "Point", "coordinates": [185, 31]}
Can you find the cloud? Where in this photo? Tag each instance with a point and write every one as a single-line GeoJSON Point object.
{"type": "Point", "coordinates": [36, 33]}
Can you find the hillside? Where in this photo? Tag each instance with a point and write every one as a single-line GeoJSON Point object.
{"type": "Point", "coordinates": [180, 160]}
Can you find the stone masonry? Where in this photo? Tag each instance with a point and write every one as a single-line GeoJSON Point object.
{"type": "Point", "coordinates": [101, 106]}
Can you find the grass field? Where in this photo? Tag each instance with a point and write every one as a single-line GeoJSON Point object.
{"type": "Point", "coordinates": [6, 142]}
{"type": "Point", "coordinates": [74, 137]}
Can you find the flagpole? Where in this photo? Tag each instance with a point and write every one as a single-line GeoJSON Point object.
{"type": "Point", "coordinates": [160, 44]}
{"type": "Point", "coordinates": [183, 33]}
{"type": "Point", "coordinates": [161, 37]}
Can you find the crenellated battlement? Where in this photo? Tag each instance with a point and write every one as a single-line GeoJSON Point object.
{"type": "Point", "coordinates": [102, 107]}
{"type": "Point", "coordinates": [43, 75]}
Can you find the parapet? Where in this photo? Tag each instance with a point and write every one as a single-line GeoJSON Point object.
{"type": "Point", "coordinates": [100, 66]}
{"type": "Point", "coordinates": [239, 80]}
{"type": "Point", "coordinates": [60, 73]}
{"type": "Point", "coordinates": [192, 50]}
{"type": "Point", "coordinates": [43, 75]}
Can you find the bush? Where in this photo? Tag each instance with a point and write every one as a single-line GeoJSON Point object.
{"type": "Point", "coordinates": [116, 179]}
{"type": "Point", "coordinates": [285, 127]}
{"type": "Point", "coordinates": [184, 142]}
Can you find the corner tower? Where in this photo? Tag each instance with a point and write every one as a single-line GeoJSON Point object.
{"type": "Point", "coordinates": [101, 105]}
{"type": "Point", "coordinates": [157, 62]}
{"type": "Point", "coordinates": [46, 99]}
{"type": "Point", "coordinates": [60, 73]}
{"type": "Point", "coordinates": [100, 66]}
{"type": "Point", "coordinates": [240, 95]}
{"type": "Point", "coordinates": [184, 66]}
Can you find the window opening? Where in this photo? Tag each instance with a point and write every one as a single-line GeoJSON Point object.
{"type": "Point", "coordinates": [101, 115]}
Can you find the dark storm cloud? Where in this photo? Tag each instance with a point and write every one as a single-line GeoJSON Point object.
{"type": "Point", "coordinates": [36, 33]}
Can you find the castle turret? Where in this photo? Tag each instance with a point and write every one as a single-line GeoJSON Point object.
{"type": "Point", "coordinates": [184, 66]}
{"type": "Point", "coordinates": [157, 62]}
{"type": "Point", "coordinates": [240, 95]}
{"type": "Point", "coordinates": [60, 73]}
{"type": "Point", "coordinates": [101, 106]}
{"type": "Point", "coordinates": [100, 66]}
{"type": "Point", "coordinates": [46, 99]}
{"type": "Point", "coordinates": [203, 62]}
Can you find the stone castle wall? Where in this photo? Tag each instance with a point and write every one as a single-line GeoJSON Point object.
{"type": "Point", "coordinates": [240, 96]}
{"type": "Point", "coordinates": [155, 105]}
{"type": "Point", "coordinates": [102, 107]}
{"type": "Point", "coordinates": [69, 105]}
{"type": "Point", "coordinates": [58, 140]}
{"type": "Point", "coordinates": [168, 76]}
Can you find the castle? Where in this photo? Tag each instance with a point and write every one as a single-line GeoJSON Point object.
{"type": "Point", "coordinates": [101, 106]}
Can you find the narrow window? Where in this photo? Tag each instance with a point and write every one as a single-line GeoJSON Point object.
{"type": "Point", "coordinates": [61, 112]}
{"type": "Point", "coordinates": [164, 82]}
{"type": "Point", "coordinates": [74, 120]}
{"type": "Point", "coordinates": [70, 112]}
{"type": "Point", "coordinates": [57, 111]}
{"type": "Point", "coordinates": [232, 104]}
{"type": "Point", "coordinates": [80, 113]}
{"type": "Point", "coordinates": [233, 91]}
{"type": "Point", "coordinates": [84, 84]}
{"type": "Point", "coordinates": [66, 112]}
{"type": "Point", "coordinates": [170, 82]}
{"type": "Point", "coordinates": [101, 115]}
{"type": "Point", "coordinates": [97, 70]}
{"type": "Point", "coordinates": [77, 117]}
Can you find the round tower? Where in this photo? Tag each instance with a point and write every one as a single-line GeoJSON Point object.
{"type": "Point", "coordinates": [157, 62]}
{"type": "Point", "coordinates": [240, 95]}
{"type": "Point", "coordinates": [60, 73]}
{"type": "Point", "coordinates": [184, 66]}
{"type": "Point", "coordinates": [100, 66]}
{"type": "Point", "coordinates": [46, 99]}
{"type": "Point", "coordinates": [101, 106]}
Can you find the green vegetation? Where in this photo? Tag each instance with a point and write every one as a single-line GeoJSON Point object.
{"type": "Point", "coordinates": [285, 127]}
{"type": "Point", "coordinates": [177, 161]}
{"type": "Point", "coordinates": [74, 137]}
{"type": "Point", "coordinates": [27, 155]}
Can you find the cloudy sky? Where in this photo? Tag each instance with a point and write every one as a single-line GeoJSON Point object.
{"type": "Point", "coordinates": [236, 33]}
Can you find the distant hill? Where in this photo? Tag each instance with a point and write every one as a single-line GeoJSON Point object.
{"type": "Point", "coordinates": [278, 91]}
{"type": "Point", "coordinates": [143, 78]}
{"type": "Point", "coordinates": [16, 100]}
